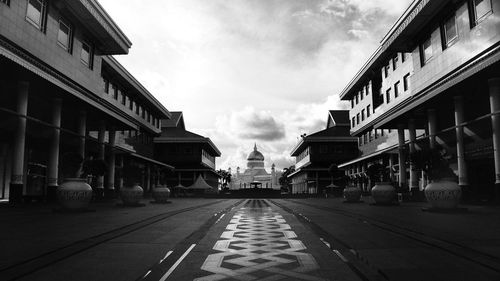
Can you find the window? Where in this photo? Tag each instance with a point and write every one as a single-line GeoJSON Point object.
{"type": "Point", "coordinates": [388, 96]}
{"type": "Point", "coordinates": [367, 90]}
{"type": "Point", "coordinates": [64, 36]}
{"type": "Point", "coordinates": [361, 93]}
{"type": "Point", "coordinates": [479, 10]}
{"type": "Point", "coordinates": [353, 122]}
{"type": "Point", "coordinates": [426, 51]}
{"type": "Point", "coordinates": [115, 92]}
{"type": "Point", "coordinates": [368, 108]}
{"type": "Point", "coordinates": [386, 71]}
{"type": "Point", "coordinates": [87, 55]}
{"type": "Point", "coordinates": [357, 119]}
{"type": "Point", "coordinates": [395, 62]}
{"type": "Point", "coordinates": [403, 57]}
{"type": "Point", "coordinates": [362, 115]}
{"type": "Point", "coordinates": [357, 98]}
{"type": "Point", "coordinates": [106, 85]}
{"type": "Point", "coordinates": [131, 104]}
{"type": "Point", "coordinates": [449, 32]}
{"type": "Point", "coordinates": [6, 2]}
{"type": "Point", "coordinates": [406, 82]}
{"type": "Point", "coordinates": [396, 89]}
{"type": "Point", "coordinates": [124, 99]}
{"type": "Point", "coordinates": [352, 103]}
{"type": "Point", "coordinates": [36, 13]}
{"type": "Point", "coordinates": [137, 108]}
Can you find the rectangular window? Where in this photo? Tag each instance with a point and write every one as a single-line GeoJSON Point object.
{"type": "Point", "coordinates": [426, 51]}
{"type": "Point", "coordinates": [36, 13]}
{"type": "Point", "coordinates": [361, 93]}
{"type": "Point", "coordinates": [137, 108]}
{"type": "Point", "coordinates": [480, 9]}
{"type": "Point", "coordinates": [357, 119]}
{"type": "Point", "coordinates": [403, 57]}
{"type": "Point", "coordinates": [106, 85]}
{"type": "Point", "coordinates": [449, 32]}
{"type": "Point", "coordinates": [7, 2]}
{"type": "Point", "coordinates": [395, 62]}
{"type": "Point", "coordinates": [352, 103]}
{"type": "Point", "coordinates": [362, 115]}
{"type": "Point", "coordinates": [357, 98]}
{"type": "Point", "coordinates": [388, 96]}
{"type": "Point", "coordinates": [396, 89]}
{"type": "Point", "coordinates": [115, 92]}
{"type": "Point", "coordinates": [131, 104]}
{"type": "Point", "coordinates": [65, 35]}
{"type": "Point", "coordinates": [124, 99]}
{"type": "Point", "coordinates": [406, 82]}
{"type": "Point", "coordinates": [87, 55]}
{"type": "Point", "coordinates": [386, 71]}
{"type": "Point", "coordinates": [368, 108]}
{"type": "Point", "coordinates": [367, 88]}
{"type": "Point", "coordinates": [353, 122]}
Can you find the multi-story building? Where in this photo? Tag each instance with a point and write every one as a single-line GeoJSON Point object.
{"type": "Point", "coordinates": [314, 154]}
{"type": "Point", "coordinates": [192, 155]}
{"type": "Point", "coordinates": [452, 80]}
{"type": "Point", "coordinates": [63, 92]}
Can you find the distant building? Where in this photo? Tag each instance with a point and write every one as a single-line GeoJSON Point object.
{"type": "Point", "coordinates": [316, 152]}
{"type": "Point", "coordinates": [255, 175]}
{"type": "Point", "coordinates": [434, 81]}
{"type": "Point", "coordinates": [192, 155]}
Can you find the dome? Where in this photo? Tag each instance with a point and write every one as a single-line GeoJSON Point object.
{"type": "Point", "coordinates": [255, 155]}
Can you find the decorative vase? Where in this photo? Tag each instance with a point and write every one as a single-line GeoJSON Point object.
{"type": "Point", "coordinates": [161, 193]}
{"type": "Point", "coordinates": [443, 194]}
{"type": "Point", "coordinates": [74, 194]}
{"type": "Point", "coordinates": [352, 194]}
{"type": "Point", "coordinates": [131, 195]}
{"type": "Point", "coordinates": [383, 193]}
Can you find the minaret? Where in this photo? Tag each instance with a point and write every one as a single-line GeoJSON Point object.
{"type": "Point", "coordinates": [274, 181]}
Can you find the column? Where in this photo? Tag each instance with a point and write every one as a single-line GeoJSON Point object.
{"type": "Point", "coordinates": [100, 142]}
{"type": "Point", "coordinates": [402, 156]}
{"type": "Point", "coordinates": [494, 89]}
{"type": "Point", "coordinates": [82, 132]}
{"type": "Point", "coordinates": [391, 165]}
{"type": "Point", "coordinates": [109, 191]}
{"type": "Point", "coordinates": [53, 159]}
{"type": "Point", "coordinates": [358, 178]}
{"type": "Point", "coordinates": [148, 177]}
{"type": "Point", "coordinates": [120, 178]}
{"type": "Point", "coordinates": [17, 180]}
{"type": "Point", "coordinates": [363, 179]}
{"type": "Point", "coordinates": [459, 130]}
{"type": "Point", "coordinates": [413, 172]}
{"type": "Point", "coordinates": [432, 123]}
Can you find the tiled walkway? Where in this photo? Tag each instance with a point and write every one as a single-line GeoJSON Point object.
{"type": "Point", "coordinates": [258, 244]}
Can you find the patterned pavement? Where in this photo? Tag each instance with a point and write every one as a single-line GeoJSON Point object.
{"type": "Point", "coordinates": [258, 244]}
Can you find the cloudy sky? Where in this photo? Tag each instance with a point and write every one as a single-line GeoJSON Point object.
{"type": "Point", "coordinates": [251, 71]}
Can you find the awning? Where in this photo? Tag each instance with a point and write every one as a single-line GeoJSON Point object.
{"type": "Point", "coordinates": [152, 161]}
{"type": "Point", "coordinates": [368, 156]}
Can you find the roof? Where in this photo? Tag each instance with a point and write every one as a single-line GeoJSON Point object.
{"type": "Point", "coordinates": [333, 134]}
{"type": "Point", "coordinates": [176, 120]}
{"type": "Point", "coordinates": [200, 183]}
{"type": "Point", "coordinates": [255, 155]}
{"type": "Point", "coordinates": [400, 38]}
{"type": "Point", "coordinates": [178, 135]}
{"type": "Point", "coordinates": [338, 118]}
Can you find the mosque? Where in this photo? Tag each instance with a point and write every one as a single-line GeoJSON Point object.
{"type": "Point", "coordinates": [255, 175]}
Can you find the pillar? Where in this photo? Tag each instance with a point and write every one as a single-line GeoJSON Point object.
{"type": "Point", "coordinates": [494, 91]}
{"type": "Point", "coordinates": [459, 130]}
{"type": "Point", "coordinates": [391, 165]}
{"type": "Point", "coordinates": [109, 191]}
{"type": "Point", "coordinates": [100, 142]}
{"type": "Point", "coordinates": [363, 178]}
{"type": "Point", "coordinates": [17, 180]}
{"type": "Point", "coordinates": [412, 133]}
{"type": "Point", "coordinates": [402, 156]}
{"type": "Point", "coordinates": [82, 132]}
{"type": "Point", "coordinates": [120, 178]}
{"type": "Point", "coordinates": [358, 174]}
{"type": "Point", "coordinates": [53, 159]}
{"type": "Point", "coordinates": [148, 177]}
{"type": "Point", "coordinates": [432, 124]}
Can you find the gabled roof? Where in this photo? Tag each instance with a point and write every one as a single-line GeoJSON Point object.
{"type": "Point", "coordinates": [200, 183]}
{"type": "Point", "coordinates": [179, 135]}
{"type": "Point", "coordinates": [338, 118]}
{"type": "Point", "coordinates": [175, 121]}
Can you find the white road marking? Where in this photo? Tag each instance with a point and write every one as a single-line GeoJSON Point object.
{"type": "Point", "coordinates": [166, 256]}
{"type": "Point", "coordinates": [164, 277]}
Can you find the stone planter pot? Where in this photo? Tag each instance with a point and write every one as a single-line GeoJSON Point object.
{"type": "Point", "coordinates": [383, 193]}
{"type": "Point", "coordinates": [74, 194]}
{"type": "Point", "coordinates": [443, 194]}
{"type": "Point", "coordinates": [131, 195]}
{"type": "Point", "coordinates": [161, 193]}
{"type": "Point", "coordinates": [352, 194]}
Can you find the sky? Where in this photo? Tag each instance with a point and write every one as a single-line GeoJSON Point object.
{"type": "Point", "coordinates": [251, 71]}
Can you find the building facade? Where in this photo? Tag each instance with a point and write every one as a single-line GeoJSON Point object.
{"type": "Point", "coordinates": [192, 155]}
{"type": "Point", "coordinates": [61, 91]}
{"type": "Point", "coordinates": [316, 152]}
{"type": "Point", "coordinates": [452, 50]}
{"type": "Point", "coordinates": [255, 175]}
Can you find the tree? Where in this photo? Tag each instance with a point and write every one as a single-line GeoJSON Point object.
{"type": "Point", "coordinates": [285, 182]}
{"type": "Point", "coordinates": [225, 177]}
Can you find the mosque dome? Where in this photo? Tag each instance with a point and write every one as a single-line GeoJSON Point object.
{"type": "Point", "coordinates": [255, 155]}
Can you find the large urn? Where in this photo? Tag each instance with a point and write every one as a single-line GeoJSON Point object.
{"type": "Point", "coordinates": [352, 194]}
{"type": "Point", "coordinates": [161, 193]}
{"type": "Point", "coordinates": [74, 194]}
{"type": "Point", "coordinates": [383, 193]}
{"type": "Point", "coordinates": [443, 194]}
{"type": "Point", "coordinates": [131, 195]}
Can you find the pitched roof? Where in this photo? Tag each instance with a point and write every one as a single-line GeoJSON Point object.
{"type": "Point", "coordinates": [338, 118]}
{"type": "Point", "coordinates": [178, 135]}
{"type": "Point", "coordinates": [176, 121]}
